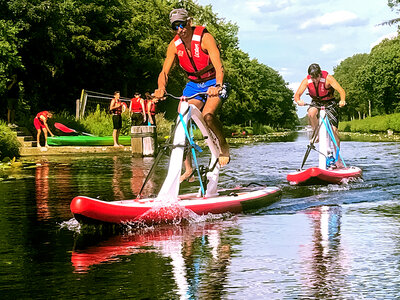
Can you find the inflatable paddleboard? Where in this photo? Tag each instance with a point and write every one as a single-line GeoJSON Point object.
{"type": "Point", "coordinates": [85, 140]}
{"type": "Point", "coordinates": [329, 156]}
{"type": "Point", "coordinates": [317, 175]}
{"type": "Point", "coordinates": [169, 205]}
{"type": "Point", "coordinates": [89, 210]}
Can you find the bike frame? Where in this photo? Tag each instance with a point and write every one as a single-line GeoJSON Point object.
{"type": "Point", "coordinates": [190, 113]}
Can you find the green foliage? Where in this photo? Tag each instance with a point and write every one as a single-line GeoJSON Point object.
{"type": "Point", "coordinates": [348, 74]}
{"type": "Point", "coordinates": [100, 123]}
{"type": "Point", "coordinates": [9, 58]}
{"type": "Point", "coordinates": [105, 46]}
{"type": "Point", "coordinates": [9, 144]}
{"type": "Point", "coordinates": [371, 81]}
{"type": "Point", "coordinates": [256, 129]}
{"type": "Point", "coordinates": [373, 124]}
{"type": "Point", "coordinates": [163, 126]}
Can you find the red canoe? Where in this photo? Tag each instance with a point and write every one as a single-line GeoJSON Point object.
{"type": "Point", "coordinates": [317, 175]}
{"type": "Point", "coordinates": [89, 210]}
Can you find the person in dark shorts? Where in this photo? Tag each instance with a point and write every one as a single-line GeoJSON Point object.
{"type": "Point", "coordinates": [321, 87]}
{"type": "Point", "coordinates": [137, 110]}
{"type": "Point", "coordinates": [116, 110]}
{"type": "Point", "coordinates": [12, 100]}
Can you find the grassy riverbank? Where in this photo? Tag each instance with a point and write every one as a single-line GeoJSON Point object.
{"type": "Point", "coordinates": [378, 124]}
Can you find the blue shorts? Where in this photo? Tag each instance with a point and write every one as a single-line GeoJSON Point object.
{"type": "Point", "coordinates": [192, 88]}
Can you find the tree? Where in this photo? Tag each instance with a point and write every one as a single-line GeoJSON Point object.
{"type": "Point", "coordinates": [347, 74]}
{"type": "Point", "coordinates": [380, 77]}
{"type": "Point", "coordinates": [394, 5]}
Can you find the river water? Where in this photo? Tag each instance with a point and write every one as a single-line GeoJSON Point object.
{"type": "Point", "coordinates": [319, 242]}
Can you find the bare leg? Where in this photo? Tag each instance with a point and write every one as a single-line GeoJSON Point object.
{"type": "Point", "coordinates": [13, 116]}
{"type": "Point", "coordinates": [38, 138]}
{"type": "Point", "coordinates": [312, 117]}
{"type": "Point", "coordinates": [45, 137]}
{"type": "Point", "coordinates": [188, 169]}
{"type": "Point", "coordinates": [118, 131]}
{"type": "Point", "coordinates": [115, 138]}
{"type": "Point", "coordinates": [215, 125]}
{"type": "Point", "coordinates": [339, 163]}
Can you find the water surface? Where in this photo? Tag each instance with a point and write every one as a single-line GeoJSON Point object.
{"type": "Point", "coordinates": [319, 242]}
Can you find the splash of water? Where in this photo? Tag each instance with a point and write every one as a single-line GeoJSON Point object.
{"type": "Point", "coordinates": [72, 225]}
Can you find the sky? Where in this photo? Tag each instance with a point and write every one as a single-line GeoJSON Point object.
{"type": "Point", "coordinates": [289, 35]}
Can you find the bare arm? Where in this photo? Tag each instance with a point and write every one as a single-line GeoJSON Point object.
{"type": "Point", "coordinates": [114, 105]}
{"type": "Point", "coordinates": [332, 81]}
{"type": "Point", "coordinates": [149, 112]}
{"type": "Point", "coordinates": [44, 120]}
{"type": "Point", "coordinates": [210, 46]}
{"type": "Point", "coordinates": [300, 92]}
{"type": "Point", "coordinates": [163, 77]}
{"type": "Point", "coordinates": [143, 108]}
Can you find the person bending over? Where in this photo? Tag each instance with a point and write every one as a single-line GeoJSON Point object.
{"type": "Point", "coordinates": [40, 123]}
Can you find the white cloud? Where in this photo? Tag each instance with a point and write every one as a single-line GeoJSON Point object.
{"type": "Point", "coordinates": [331, 18]}
{"type": "Point", "coordinates": [294, 86]}
{"type": "Point", "coordinates": [386, 36]}
{"type": "Point", "coordinates": [327, 48]}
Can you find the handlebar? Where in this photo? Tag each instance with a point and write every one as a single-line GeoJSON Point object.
{"type": "Point", "coordinates": [223, 94]}
{"type": "Point", "coordinates": [184, 98]}
{"type": "Point", "coordinates": [319, 106]}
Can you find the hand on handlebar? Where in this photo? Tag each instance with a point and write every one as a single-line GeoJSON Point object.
{"type": "Point", "coordinates": [213, 91]}
{"type": "Point", "coordinates": [159, 94]}
{"type": "Point", "coordinates": [300, 103]}
{"type": "Point", "coordinates": [342, 103]}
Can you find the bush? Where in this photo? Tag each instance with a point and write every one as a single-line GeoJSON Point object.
{"type": "Point", "coordinates": [100, 123]}
{"type": "Point", "coordinates": [9, 144]}
{"type": "Point", "coordinates": [372, 124]}
{"type": "Point", "coordinates": [163, 126]}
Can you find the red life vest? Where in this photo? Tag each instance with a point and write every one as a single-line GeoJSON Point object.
{"type": "Point", "coordinates": [118, 110]}
{"type": "Point", "coordinates": [321, 93]}
{"type": "Point", "coordinates": [198, 65]}
{"type": "Point", "coordinates": [152, 107]}
{"type": "Point", "coordinates": [42, 113]}
{"type": "Point", "coordinates": [136, 106]}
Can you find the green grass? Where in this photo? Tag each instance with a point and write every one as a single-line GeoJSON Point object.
{"type": "Point", "coordinates": [372, 124]}
{"type": "Point", "coordinates": [9, 144]}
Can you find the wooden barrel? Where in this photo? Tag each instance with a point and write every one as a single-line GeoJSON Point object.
{"type": "Point", "coordinates": [143, 140]}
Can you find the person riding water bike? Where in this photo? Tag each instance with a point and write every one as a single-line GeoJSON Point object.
{"type": "Point", "coordinates": [199, 56]}
{"type": "Point", "coordinates": [321, 87]}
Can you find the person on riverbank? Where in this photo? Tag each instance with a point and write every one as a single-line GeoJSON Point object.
{"type": "Point", "coordinates": [116, 110]}
{"type": "Point", "coordinates": [151, 109]}
{"type": "Point", "coordinates": [321, 87]}
{"type": "Point", "coordinates": [40, 123]}
{"type": "Point", "coordinates": [199, 56]}
{"type": "Point", "coordinates": [137, 110]}
{"type": "Point", "coordinates": [12, 100]}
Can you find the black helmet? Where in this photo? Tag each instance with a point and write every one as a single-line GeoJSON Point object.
{"type": "Point", "coordinates": [314, 70]}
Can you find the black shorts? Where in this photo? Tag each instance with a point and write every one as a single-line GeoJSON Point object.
{"type": "Point", "coordinates": [331, 108]}
{"type": "Point", "coordinates": [117, 121]}
{"type": "Point", "coordinates": [137, 119]}
{"type": "Point", "coordinates": [12, 103]}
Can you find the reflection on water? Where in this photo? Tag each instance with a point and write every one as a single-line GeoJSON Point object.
{"type": "Point", "coordinates": [325, 258]}
{"type": "Point", "coordinates": [331, 242]}
{"type": "Point", "coordinates": [42, 191]}
{"type": "Point", "coordinates": [199, 254]}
